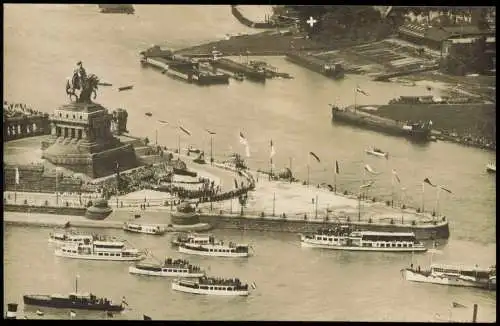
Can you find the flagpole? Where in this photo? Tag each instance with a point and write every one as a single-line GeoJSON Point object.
{"type": "Point", "coordinates": [423, 196]}
{"type": "Point", "coordinates": [316, 208]}
{"type": "Point", "coordinates": [57, 192]}
{"type": "Point", "coordinates": [211, 149]}
{"type": "Point", "coordinates": [437, 200]}
{"type": "Point", "coordinates": [179, 145]}
{"type": "Point", "coordinates": [291, 173]}
{"type": "Point", "coordinates": [274, 203]}
{"type": "Point", "coordinates": [335, 178]}
{"type": "Point", "coordinates": [392, 190]}
{"type": "Point", "coordinates": [403, 197]}
{"type": "Point", "coordinates": [308, 174]}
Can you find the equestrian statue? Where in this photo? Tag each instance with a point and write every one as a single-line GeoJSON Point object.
{"type": "Point", "coordinates": [80, 87]}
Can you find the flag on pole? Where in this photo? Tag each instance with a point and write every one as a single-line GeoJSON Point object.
{"type": "Point", "coordinates": [187, 132]}
{"type": "Point", "coordinates": [359, 90]}
{"type": "Point", "coordinates": [445, 189]}
{"type": "Point", "coordinates": [273, 151]}
{"type": "Point", "coordinates": [124, 301]}
{"type": "Point", "coordinates": [426, 180]}
{"type": "Point", "coordinates": [370, 170]}
{"type": "Point", "coordinates": [315, 156]}
{"type": "Point", "coordinates": [396, 175]}
{"type": "Point", "coordinates": [369, 184]}
{"type": "Point", "coordinates": [244, 142]}
{"type": "Point", "coordinates": [17, 176]}
{"type": "Point", "coordinates": [457, 305]}
{"type": "Point", "coordinates": [337, 170]}
{"type": "Point", "coordinates": [210, 132]}
{"type": "Point", "coordinates": [72, 314]}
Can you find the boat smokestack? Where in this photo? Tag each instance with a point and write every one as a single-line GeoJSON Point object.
{"type": "Point", "coordinates": [11, 311]}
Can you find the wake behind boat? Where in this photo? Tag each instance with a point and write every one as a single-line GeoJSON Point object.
{"type": "Point", "coordinates": [75, 300]}
{"type": "Point", "coordinates": [147, 229]}
{"type": "Point", "coordinates": [214, 249]}
{"type": "Point", "coordinates": [454, 275]}
{"type": "Point", "coordinates": [99, 250]}
{"type": "Point", "coordinates": [342, 238]}
{"type": "Point", "coordinates": [212, 286]}
{"type": "Point", "coordinates": [170, 267]}
{"type": "Point", "coordinates": [491, 167]}
{"type": "Point", "coordinates": [377, 152]}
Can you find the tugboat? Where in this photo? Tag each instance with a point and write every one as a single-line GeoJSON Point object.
{"type": "Point", "coordinates": [99, 250]}
{"type": "Point", "coordinates": [214, 249]}
{"type": "Point", "coordinates": [75, 300]}
{"type": "Point", "coordinates": [454, 275]}
{"type": "Point", "coordinates": [170, 267]}
{"type": "Point", "coordinates": [342, 238]}
{"type": "Point", "coordinates": [147, 229]}
{"type": "Point", "coordinates": [99, 210]}
{"type": "Point", "coordinates": [212, 286]}
{"type": "Point", "coordinates": [377, 152]}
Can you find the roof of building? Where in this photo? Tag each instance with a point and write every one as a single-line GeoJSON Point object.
{"type": "Point", "coordinates": [440, 34]}
{"type": "Point", "coordinates": [82, 107]}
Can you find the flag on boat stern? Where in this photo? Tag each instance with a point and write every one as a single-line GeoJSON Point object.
{"type": "Point", "coordinates": [244, 142]}
{"type": "Point", "coordinates": [445, 189]}
{"type": "Point", "coordinates": [359, 90]}
{"type": "Point", "coordinates": [337, 170]}
{"type": "Point", "coordinates": [315, 156]}
{"type": "Point", "coordinates": [146, 317]}
{"type": "Point", "coordinates": [369, 184]}
{"type": "Point", "coordinates": [457, 305]}
{"type": "Point", "coordinates": [426, 180]}
{"type": "Point", "coordinates": [396, 175]}
{"type": "Point", "coordinates": [369, 169]}
{"type": "Point", "coordinates": [17, 176]}
{"type": "Point", "coordinates": [124, 301]}
{"type": "Point", "coordinates": [72, 314]}
{"type": "Point", "coordinates": [254, 286]}
{"type": "Point", "coordinates": [187, 132]}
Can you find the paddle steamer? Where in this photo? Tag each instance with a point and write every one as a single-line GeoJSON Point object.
{"type": "Point", "coordinates": [147, 229]}
{"type": "Point", "coordinates": [343, 238]}
{"type": "Point", "coordinates": [100, 250]}
{"type": "Point", "coordinates": [170, 267]}
{"type": "Point", "coordinates": [454, 275]}
{"type": "Point", "coordinates": [212, 286]}
{"type": "Point", "coordinates": [214, 249]}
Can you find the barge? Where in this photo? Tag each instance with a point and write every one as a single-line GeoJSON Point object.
{"type": "Point", "coordinates": [354, 116]}
{"type": "Point", "coordinates": [251, 73]}
{"type": "Point", "coordinates": [334, 71]}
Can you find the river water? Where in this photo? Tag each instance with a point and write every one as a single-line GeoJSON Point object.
{"type": "Point", "coordinates": [43, 44]}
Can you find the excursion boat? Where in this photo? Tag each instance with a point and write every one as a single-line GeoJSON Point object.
{"type": "Point", "coordinates": [491, 167]}
{"type": "Point", "coordinates": [192, 149]}
{"type": "Point", "coordinates": [87, 301]}
{"type": "Point", "coordinates": [214, 249]}
{"type": "Point", "coordinates": [212, 286]}
{"type": "Point", "coordinates": [62, 238]}
{"type": "Point", "coordinates": [377, 152]}
{"type": "Point", "coordinates": [191, 238]}
{"type": "Point", "coordinates": [342, 238]}
{"type": "Point", "coordinates": [454, 275]}
{"type": "Point", "coordinates": [147, 229]}
{"type": "Point", "coordinates": [170, 267]}
{"type": "Point", "coordinates": [100, 250]}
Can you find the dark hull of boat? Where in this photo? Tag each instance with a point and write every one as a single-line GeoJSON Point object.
{"type": "Point", "coordinates": [351, 118]}
{"type": "Point", "coordinates": [95, 213]}
{"type": "Point", "coordinates": [67, 304]}
{"type": "Point", "coordinates": [185, 172]}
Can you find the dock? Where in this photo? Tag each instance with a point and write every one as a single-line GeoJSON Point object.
{"type": "Point", "coordinates": [330, 70]}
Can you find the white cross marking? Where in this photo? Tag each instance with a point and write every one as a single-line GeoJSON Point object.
{"type": "Point", "coordinates": [311, 21]}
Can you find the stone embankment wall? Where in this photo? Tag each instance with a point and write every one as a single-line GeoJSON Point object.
{"type": "Point", "coordinates": [77, 211]}
{"type": "Point", "coordinates": [34, 178]}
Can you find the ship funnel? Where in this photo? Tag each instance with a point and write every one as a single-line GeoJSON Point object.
{"type": "Point", "coordinates": [11, 311]}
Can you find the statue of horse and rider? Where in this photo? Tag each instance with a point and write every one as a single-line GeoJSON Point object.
{"type": "Point", "coordinates": [80, 87]}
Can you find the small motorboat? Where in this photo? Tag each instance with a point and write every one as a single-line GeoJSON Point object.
{"type": "Point", "coordinates": [149, 114]}
{"type": "Point", "coordinates": [491, 167]}
{"type": "Point", "coordinates": [140, 228]}
{"type": "Point", "coordinates": [104, 84]}
{"type": "Point", "coordinates": [125, 88]}
{"type": "Point", "coordinates": [39, 313]}
{"type": "Point", "coordinates": [377, 152]}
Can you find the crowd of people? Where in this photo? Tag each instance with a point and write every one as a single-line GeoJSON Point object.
{"type": "Point", "coordinates": [11, 110]}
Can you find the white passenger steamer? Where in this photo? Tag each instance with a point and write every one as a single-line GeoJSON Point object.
{"type": "Point", "coordinates": [99, 250]}
{"type": "Point", "coordinates": [454, 275]}
{"type": "Point", "coordinates": [62, 238]}
{"type": "Point", "coordinates": [170, 267]}
{"type": "Point", "coordinates": [213, 248]}
{"type": "Point", "coordinates": [191, 238]}
{"type": "Point", "coordinates": [212, 286]}
{"type": "Point", "coordinates": [342, 238]}
{"type": "Point", "coordinates": [142, 228]}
